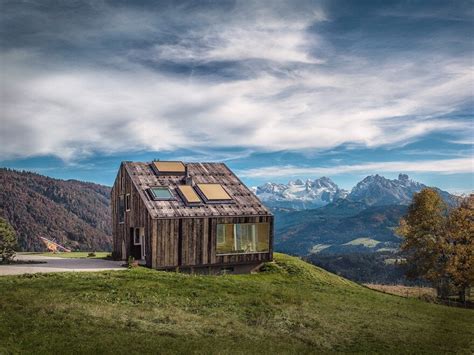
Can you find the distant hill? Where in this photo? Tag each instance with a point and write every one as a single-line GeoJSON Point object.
{"type": "Point", "coordinates": [73, 213]}
{"type": "Point", "coordinates": [380, 268]}
{"type": "Point", "coordinates": [343, 226]}
{"type": "Point", "coordinates": [374, 190]}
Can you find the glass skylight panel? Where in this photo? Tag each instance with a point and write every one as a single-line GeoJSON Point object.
{"type": "Point", "coordinates": [214, 192]}
{"type": "Point", "coordinates": [189, 195]}
{"type": "Point", "coordinates": [169, 167]}
{"type": "Point", "coordinates": [161, 193]}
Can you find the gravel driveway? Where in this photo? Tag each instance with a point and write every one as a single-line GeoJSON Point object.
{"type": "Point", "coordinates": [57, 264]}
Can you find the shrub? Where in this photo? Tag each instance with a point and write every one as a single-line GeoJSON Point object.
{"type": "Point", "coordinates": [131, 262]}
{"type": "Point", "coordinates": [8, 241]}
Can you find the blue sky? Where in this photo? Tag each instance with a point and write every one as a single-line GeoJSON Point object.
{"type": "Point", "coordinates": [278, 90]}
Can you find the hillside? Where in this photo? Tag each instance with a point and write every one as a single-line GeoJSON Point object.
{"type": "Point", "coordinates": [73, 213]}
{"type": "Point", "coordinates": [341, 227]}
{"type": "Point", "coordinates": [379, 268]}
{"type": "Point", "coordinates": [292, 307]}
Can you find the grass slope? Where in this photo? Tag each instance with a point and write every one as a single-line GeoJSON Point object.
{"type": "Point", "coordinates": [292, 307]}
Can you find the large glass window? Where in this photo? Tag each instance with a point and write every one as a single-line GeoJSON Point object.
{"type": "Point", "coordinates": [242, 238]}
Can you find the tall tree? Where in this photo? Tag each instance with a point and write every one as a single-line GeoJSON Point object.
{"type": "Point", "coordinates": [423, 229]}
{"type": "Point", "coordinates": [460, 246]}
{"type": "Point", "coordinates": [8, 241]}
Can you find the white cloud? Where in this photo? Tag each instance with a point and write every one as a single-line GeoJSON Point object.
{"type": "Point", "coordinates": [275, 41]}
{"type": "Point", "coordinates": [444, 166]}
{"type": "Point", "coordinates": [71, 111]}
{"type": "Point", "coordinates": [68, 113]}
{"type": "Point", "coordinates": [251, 30]}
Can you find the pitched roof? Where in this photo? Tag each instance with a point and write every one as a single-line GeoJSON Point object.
{"type": "Point", "coordinates": [244, 202]}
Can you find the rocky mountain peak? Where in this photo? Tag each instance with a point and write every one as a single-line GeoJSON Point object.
{"type": "Point", "coordinates": [296, 182]}
{"type": "Point", "coordinates": [403, 177]}
{"type": "Point", "coordinates": [300, 194]}
{"type": "Point", "coordinates": [372, 190]}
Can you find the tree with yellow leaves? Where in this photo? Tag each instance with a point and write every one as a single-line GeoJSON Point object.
{"type": "Point", "coordinates": [423, 229]}
{"type": "Point", "coordinates": [460, 246]}
{"type": "Point", "coordinates": [439, 246]}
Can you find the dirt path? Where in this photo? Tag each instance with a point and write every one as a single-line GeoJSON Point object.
{"type": "Point", "coordinates": [57, 264]}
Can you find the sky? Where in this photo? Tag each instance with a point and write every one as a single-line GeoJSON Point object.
{"type": "Point", "coordinates": [277, 90]}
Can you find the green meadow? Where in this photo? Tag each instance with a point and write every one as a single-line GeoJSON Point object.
{"type": "Point", "coordinates": [290, 307]}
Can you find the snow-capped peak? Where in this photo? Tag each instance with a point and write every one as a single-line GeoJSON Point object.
{"type": "Point", "coordinates": [301, 194]}
{"type": "Point", "coordinates": [372, 190]}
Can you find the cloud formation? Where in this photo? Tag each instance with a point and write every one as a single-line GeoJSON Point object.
{"type": "Point", "coordinates": [444, 166]}
{"type": "Point", "coordinates": [261, 77]}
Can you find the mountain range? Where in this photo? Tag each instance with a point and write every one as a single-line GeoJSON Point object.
{"type": "Point", "coordinates": [299, 194]}
{"type": "Point", "coordinates": [374, 190]}
{"type": "Point", "coordinates": [317, 216]}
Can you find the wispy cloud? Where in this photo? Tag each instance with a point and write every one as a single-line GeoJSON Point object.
{"type": "Point", "coordinates": [123, 81]}
{"type": "Point", "coordinates": [446, 166]}
{"type": "Point", "coordinates": [276, 40]}
{"type": "Point", "coordinates": [73, 113]}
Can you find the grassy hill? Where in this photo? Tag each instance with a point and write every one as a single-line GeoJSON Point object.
{"type": "Point", "coordinates": [291, 307]}
{"type": "Point", "coordinates": [74, 213]}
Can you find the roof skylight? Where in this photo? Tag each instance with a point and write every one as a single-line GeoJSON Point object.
{"type": "Point", "coordinates": [213, 192]}
{"type": "Point", "coordinates": [189, 195]}
{"type": "Point", "coordinates": [161, 193]}
{"type": "Point", "coordinates": [169, 167]}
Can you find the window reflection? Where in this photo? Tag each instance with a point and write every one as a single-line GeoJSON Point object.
{"type": "Point", "coordinates": [242, 238]}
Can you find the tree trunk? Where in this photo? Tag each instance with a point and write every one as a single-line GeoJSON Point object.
{"type": "Point", "coordinates": [442, 289]}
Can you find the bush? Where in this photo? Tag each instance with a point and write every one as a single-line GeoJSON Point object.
{"type": "Point", "coordinates": [131, 262]}
{"type": "Point", "coordinates": [8, 241]}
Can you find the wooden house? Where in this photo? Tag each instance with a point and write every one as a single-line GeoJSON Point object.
{"type": "Point", "coordinates": [196, 217]}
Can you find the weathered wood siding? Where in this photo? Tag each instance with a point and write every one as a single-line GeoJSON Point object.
{"type": "Point", "coordinates": [192, 242]}
{"type": "Point", "coordinates": [136, 217]}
